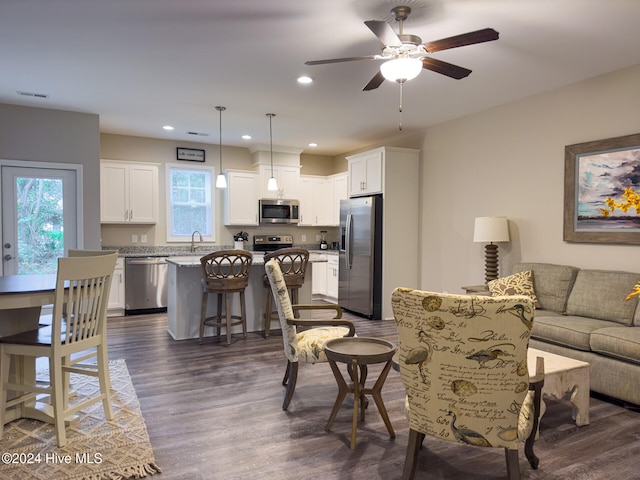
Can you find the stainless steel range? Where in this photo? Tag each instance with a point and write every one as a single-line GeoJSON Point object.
{"type": "Point", "coordinates": [271, 243]}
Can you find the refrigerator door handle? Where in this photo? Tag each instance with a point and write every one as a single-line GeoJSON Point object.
{"type": "Point", "coordinates": [348, 241]}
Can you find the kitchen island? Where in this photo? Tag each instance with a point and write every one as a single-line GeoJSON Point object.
{"type": "Point", "coordinates": [184, 296]}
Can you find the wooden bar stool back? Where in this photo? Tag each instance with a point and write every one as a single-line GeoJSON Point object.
{"type": "Point", "coordinates": [293, 264]}
{"type": "Point", "coordinates": [225, 272]}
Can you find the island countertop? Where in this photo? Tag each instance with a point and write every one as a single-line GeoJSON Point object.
{"type": "Point", "coordinates": [258, 259]}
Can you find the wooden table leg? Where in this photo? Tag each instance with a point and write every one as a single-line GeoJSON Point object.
{"type": "Point", "coordinates": [376, 393]}
{"type": "Point", "coordinates": [356, 402]}
{"type": "Point", "coordinates": [342, 392]}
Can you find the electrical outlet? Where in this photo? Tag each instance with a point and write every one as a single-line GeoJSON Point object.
{"type": "Point", "coordinates": [143, 238]}
{"type": "Point", "coordinates": [304, 238]}
{"type": "Point", "coordinates": [134, 238]}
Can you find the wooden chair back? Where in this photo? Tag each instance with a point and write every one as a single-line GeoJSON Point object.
{"type": "Point", "coordinates": [226, 270]}
{"type": "Point", "coordinates": [293, 264]}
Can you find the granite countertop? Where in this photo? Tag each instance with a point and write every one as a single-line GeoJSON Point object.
{"type": "Point", "coordinates": [193, 260]}
{"type": "Point", "coordinates": [171, 252]}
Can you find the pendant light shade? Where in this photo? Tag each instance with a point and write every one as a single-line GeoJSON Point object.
{"type": "Point", "coordinates": [221, 180]}
{"type": "Point", "coordinates": [272, 184]}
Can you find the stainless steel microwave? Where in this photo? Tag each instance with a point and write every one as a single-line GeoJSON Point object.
{"type": "Point", "coordinates": [278, 211]}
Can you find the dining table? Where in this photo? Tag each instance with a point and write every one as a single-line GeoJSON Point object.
{"type": "Point", "coordinates": [21, 300]}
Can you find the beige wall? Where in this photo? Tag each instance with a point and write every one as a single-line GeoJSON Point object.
{"type": "Point", "coordinates": [509, 161]}
{"type": "Point", "coordinates": [56, 136]}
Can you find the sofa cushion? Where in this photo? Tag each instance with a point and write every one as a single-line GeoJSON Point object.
{"type": "Point", "coordinates": [617, 342]}
{"type": "Point", "coordinates": [601, 294]}
{"type": "Point", "coordinates": [552, 283]}
{"type": "Point", "coordinates": [570, 331]}
{"type": "Point", "coordinates": [520, 283]}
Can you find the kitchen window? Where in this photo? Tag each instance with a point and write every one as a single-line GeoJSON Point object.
{"type": "Point", "coordinates": [190, 202]}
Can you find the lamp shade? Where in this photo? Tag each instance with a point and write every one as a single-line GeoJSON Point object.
{"type": "Point", "coordinates": [491, 229]}
{"type": "Point", "coordinates": [401, 69]}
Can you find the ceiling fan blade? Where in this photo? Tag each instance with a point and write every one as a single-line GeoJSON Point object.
{"type": "Point", "coordinates": [479, 36]}
{"type": "Point", "coordinates": [338, 60]}
{"type": "Point", "coordinates": [374, 83]}
{"type": "Point", "coordinates": [384, 32]}
{"type": "Point", "coordinates": [445, 68]}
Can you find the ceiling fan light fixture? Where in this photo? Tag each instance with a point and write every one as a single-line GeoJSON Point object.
{"type": "Point", "coordinates": [401, 69]}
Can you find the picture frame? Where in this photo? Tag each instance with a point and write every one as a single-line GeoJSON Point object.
{"type": "Point", "coordinates": [596, 175]}
{"type": "Point", "coordinates": [190, 154]}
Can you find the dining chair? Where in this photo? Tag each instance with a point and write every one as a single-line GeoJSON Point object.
{"type": "Point", "coordinates": [303, 339]}
{"type": "Point", "coordinates": [82, 292]}
{"type": "Point", "coordinates": [463, 362]}
{"type": "Point", "coordinates": [47, 319]}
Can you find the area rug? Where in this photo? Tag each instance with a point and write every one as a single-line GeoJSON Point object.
{"type": "Point", "coordinates": [96, 449]}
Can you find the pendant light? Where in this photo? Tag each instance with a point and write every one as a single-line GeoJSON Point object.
{"type": "Point", "coordinates": [272, 184]}
{"type": "Point", "coordinates": [221, 180]}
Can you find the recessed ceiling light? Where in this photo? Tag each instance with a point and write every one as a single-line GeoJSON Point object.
{"type": "Point", "coordinates": [313, 144]}
{"type": "Point", "coordinates": [305, 79]}
{"type": "Point", "coordinates": [246, 137]}
{"type": "Point", "coordinates": [168, 127]}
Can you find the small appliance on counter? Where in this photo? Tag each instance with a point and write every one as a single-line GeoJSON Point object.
{"type": "Point", "coordinates": [323, 240]}
{"type": "Point", "coordinates": [271, 243]}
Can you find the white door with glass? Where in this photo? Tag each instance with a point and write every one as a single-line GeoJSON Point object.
{"type": "Point", "coordinates": [39, 217]}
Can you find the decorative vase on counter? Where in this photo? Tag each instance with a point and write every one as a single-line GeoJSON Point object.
{"type": "Point", "coordinates": [238, 244]}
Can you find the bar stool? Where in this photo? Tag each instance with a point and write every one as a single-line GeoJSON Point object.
{"type": "Point", "coordinates": [293, 263]}
{"type": "Point", "coordinates": [225, 272]}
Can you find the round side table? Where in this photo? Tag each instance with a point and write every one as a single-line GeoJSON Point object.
{"type": "Point", "coordinates": [357, 353]}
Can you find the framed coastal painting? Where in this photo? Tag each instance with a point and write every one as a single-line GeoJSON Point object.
{"type": "Point", "coordinates": [602, 191]}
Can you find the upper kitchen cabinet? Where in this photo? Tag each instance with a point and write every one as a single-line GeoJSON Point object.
{"type": "Point", "coordinates": [316, 201]}
{"type": "Point", "coordinates": [287, 178]}
{"type": "Point", "coordinates": [241, 198]}
{"type": "Point", "coordinates": [128, 192]}
{"type": "Point", "coordinates": [366, 173]}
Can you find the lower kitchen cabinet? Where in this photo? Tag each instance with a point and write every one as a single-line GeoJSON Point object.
{"type": "Point", "coordinates": [319, 279]}
{"type": "Point", "coordinates": [116, 294]}
{"type": "Point", "coordinates": [332, 278]}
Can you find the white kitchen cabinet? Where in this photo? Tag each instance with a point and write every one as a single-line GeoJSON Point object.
{"type": "Point", "coordinates": [332, 278]}
{"type": "Point", "coordinates": [287, 178]}
{"type": "Point", "coordinates": [116, 294]}
{"type": "Point", "coordinates": [340, 191]}
{"type": "Point", "coordinates": [316, 201]}
{"type": "Point", "coordinates": [366, 173]}
{"type": "Point", "coordinates": [128, 192]}
{"type": "Point", "coordinates": [241, 198]}
{"type": "Point", "coordinates": [319, 279]}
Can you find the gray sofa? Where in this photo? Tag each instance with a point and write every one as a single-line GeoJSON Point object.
{"type": "Point", "coordinates": [583, 314]}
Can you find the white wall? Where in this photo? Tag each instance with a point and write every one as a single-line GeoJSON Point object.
{"type": "Point", "coordinates": [57, 136]}
{"type": "Point", "coordinates": [509, 161]}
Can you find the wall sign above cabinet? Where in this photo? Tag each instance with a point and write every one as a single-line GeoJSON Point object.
{"type": "Point", "coordinates": [190, 154]}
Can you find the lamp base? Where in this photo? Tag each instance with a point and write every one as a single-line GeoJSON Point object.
{"type": "Point", "coordinates": [490, 262]}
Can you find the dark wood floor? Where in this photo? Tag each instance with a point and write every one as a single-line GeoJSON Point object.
{"type": "Point", "coordinates": [214, 412]}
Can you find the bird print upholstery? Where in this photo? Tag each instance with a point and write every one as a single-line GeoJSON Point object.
{"type": "Point", "coordinates": [463, 361]}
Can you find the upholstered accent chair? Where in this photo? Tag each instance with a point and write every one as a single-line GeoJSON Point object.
{"type": "Point", "coordinates": [303, 339]}
{"type": "Point", "coordinates": [463, 362]}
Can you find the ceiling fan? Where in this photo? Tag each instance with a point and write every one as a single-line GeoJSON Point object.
{"type": "Point", "coordinates": [406, 55]}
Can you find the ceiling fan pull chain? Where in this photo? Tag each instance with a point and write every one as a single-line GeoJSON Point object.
{"type": "Point", "coordinates": [400, 109]}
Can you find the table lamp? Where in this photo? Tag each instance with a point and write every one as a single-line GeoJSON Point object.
{"type": "Point", "coordinates": [489, 230]}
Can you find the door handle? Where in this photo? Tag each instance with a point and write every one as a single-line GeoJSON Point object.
{"type": "Point", "coordinates": [7, 257]}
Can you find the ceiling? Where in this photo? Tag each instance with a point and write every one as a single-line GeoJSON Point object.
{"type": "Point", "coordinates": [142, 64]}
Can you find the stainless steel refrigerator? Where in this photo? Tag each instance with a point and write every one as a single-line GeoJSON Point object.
{"type": "Point", "coordinates": [360, 272]}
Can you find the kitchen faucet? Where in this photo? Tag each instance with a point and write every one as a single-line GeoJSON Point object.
{"type": "Point", "coordinates": [193, 245]}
